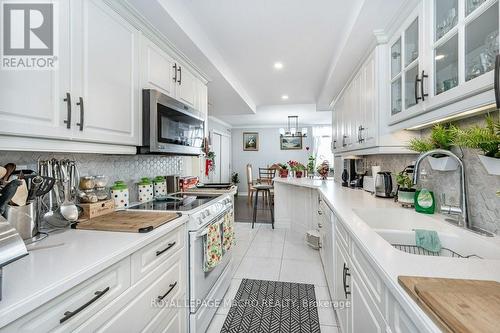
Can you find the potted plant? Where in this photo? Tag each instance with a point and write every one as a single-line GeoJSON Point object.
{"type": "Point", "coordinates": [235, 179]}
{"type": "Point", "coordinates": [297, 167]}
{"type": "Point", "coordinates": [323, 169]}
{"type": "Point", "coordinates": [311, 162]}
{"type": "Point", "coordinates": [406, 192]}
{"type": "Point", "coordinates": [441, 137]}
{"type": "Point", "coordinates": [282, 169]}
{"type": "Point", "coordinates": [487, 139]}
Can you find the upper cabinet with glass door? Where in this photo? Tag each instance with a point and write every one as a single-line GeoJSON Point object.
{"type": "Point", "coordinates": [457, 59]}
{"type": "Point", "coordinates": [405, 64]}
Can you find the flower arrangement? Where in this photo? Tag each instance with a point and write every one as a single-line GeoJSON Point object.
{"type": "Point", "coordinates": [323, 169]}
{"type": "Point", "coordinates": [282, 169]}
{"type": "Point", "coordinates": [297, 167]}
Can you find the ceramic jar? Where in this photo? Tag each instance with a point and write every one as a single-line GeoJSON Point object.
{"type": "Point", "coordinates": [160, 186]}
{"type": "Point", "coordinates": [145, 189]}
{"type": "Point", "coordinates": [119, 194]}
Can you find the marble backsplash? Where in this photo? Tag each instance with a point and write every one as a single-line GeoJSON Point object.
{"type": "Point", "coordinates": [129, 168]}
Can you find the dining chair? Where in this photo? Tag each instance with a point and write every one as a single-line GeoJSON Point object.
{"type": "Point", "coordinates": [266, 176]}
{"type": "Point", "coordinates": [250, 184]}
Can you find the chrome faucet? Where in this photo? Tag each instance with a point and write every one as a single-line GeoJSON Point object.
{"type": "Point", "coordinates": [463, 210]}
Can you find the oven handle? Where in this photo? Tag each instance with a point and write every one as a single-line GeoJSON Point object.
{"type": "Point", "coordinates": [218, 220]}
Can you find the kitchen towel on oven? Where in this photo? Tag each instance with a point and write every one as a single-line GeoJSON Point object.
{"type": "Point", "coordinates": [228, 231]}
{"type": "Point", "coordinates": [212, 247]}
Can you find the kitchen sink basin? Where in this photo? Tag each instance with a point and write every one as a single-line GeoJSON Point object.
{"type": "Point", "coordinates": [396, 226]}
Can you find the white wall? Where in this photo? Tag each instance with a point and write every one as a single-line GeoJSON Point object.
{"type": "Point", "coordinates": [269, 152]}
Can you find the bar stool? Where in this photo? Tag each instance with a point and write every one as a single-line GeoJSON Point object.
{"type": "Point", "coordinates": [265, 189]}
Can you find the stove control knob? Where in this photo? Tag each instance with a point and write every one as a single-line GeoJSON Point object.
{"type": "Point", "coordinates": [200, 220]}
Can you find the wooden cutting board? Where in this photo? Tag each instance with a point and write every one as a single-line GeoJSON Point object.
{"type": "Point", "coordinates": [127, 221]}
{"type": "Point", "coordinates": [457, 305]}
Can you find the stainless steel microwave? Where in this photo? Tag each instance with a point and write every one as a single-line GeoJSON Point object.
{"type": "Point", "coordinates": [169, 126]}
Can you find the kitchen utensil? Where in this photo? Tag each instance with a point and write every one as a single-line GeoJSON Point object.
{"type": "Point", "coordinates": [383, 185]}
{"type": "Point", "coordinates": [456, 305]}
{"type": "Point", "coordinates": [10, 167]}
{"type": "Point", "coordinates": [35, 184]}
{"type": "Point", "coordinates": [68, 209]}
{"type": "Point", "coordinates": [23, 219]}
{"type": "Point", "coordinates": [127, 221]}
{"type": "Point", "coordinates": [21, 195]}
{"type": "Point", "coordinates": [7, 193]}
{"type": "Point", "coordinates": [3, 171]}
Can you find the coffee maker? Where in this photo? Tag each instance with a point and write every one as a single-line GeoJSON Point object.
{"type": "Point", "coordinates": [350, 177]}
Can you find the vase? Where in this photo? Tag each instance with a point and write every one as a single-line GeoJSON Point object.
{"type": "Point", "coordinates": [298, 174]}
{"type": "Point", "coordinates": [283, 173]}
{"type": "Point", "coordinates": [491, 164]}
{"type": "Point", "coordinates": [444, 163]}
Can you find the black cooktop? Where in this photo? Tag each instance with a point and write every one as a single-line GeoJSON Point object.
{"type": "Point", "coordinates": [176, 202]}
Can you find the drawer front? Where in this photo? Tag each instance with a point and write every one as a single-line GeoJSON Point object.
{"type": "Point", "coordinates": [152, 255]}
{"type": "Point", "coordinates": [170, 323]}
{"type": "Point", "coordinates": [371, 279]}
{"type": "Point", "coordinates": [72, 308]}
{"type": "Point", "coordinates": [142, 307]}
{"type": "Point", "coordinates": [341, 233]}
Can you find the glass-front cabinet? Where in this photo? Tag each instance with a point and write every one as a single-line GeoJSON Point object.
{"type": "Point", "coordinates": [455, 60]}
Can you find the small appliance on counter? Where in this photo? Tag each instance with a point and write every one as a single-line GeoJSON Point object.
{"type": "Point", "coordinates": [358, 180]}
{"type": "Point", "coordinates": [383, 185]}
{"type": "Point", "coordinates": [345, 178]}
{"type": "Point", "coordinates": [369, 184]}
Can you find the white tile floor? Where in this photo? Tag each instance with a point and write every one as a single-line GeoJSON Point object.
{"type": "Point", "coordinates": [279, 254]}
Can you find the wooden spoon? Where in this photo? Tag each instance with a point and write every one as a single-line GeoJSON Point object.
{"type": "Point", "coordinates": [3, 171]}
{"type": "Point", "coordinates": [21, 195]}
{"type": "Point", "coordinates": [10, 167]}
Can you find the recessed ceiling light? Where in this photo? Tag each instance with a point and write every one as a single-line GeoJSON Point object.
{"type": "Point", "coordinates": [440, 56]}
{"type": "Point", "coordinates": [284, 97]}
{"type": "Point", "coordinates": [278, 65]}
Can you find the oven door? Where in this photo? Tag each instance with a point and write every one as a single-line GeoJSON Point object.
{"type": "Point", "coordinates": [200, 282]}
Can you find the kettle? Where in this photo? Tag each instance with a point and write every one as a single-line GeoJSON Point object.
{"type": "Point", "coordinates": [383, 184]}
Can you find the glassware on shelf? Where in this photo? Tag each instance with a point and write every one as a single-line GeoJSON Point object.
{"type": "Point", "coordinates": [471, 5]}
{"type": "Point", "coordinates": [396, 58]}
{"type": "Point", "coordinates": [446, 65]}
{"type": "Point", "coordinates": [481, 43]}
{"type": "Point", "coordinates": [411, 42]}
{"type": "Point", "coordinates": [409, 86]}
{"type": "Point", "coordinates": [446, 16]}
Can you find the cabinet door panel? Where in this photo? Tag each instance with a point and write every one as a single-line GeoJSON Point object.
{"type": "Point", "coordinates": [158, 68]}
{"type": "Point", "coordinates": [343, 313]}
{"type": "Point", "coordinates": [36, 97]}
{"type": "Point", "coordinates": [186, 90]}
{"type": "Point", "coordinates": [108, 76]}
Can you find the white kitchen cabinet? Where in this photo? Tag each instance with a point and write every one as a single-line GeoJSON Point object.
{"type": "Point", "coordinates": [158, 68]}
{"type": "Point", "coordinates": [366, 316]}
{"type": "Point", "coordinates": [32, 101]}
{"type": "Point", "coordinates": [340, 287]}
{"type": "Point", "coordinates": [187, 86]}
{"type": "Point", "coordinates": [326, 251]}
{"type": "Point", "coordinates": [459, 42]}
{"type": "Point", "coordinates": [106, 73]}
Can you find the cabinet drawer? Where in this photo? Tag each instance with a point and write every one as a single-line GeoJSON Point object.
{"type": "Point", "coordinates": [150, 256]}
{"type": "Point", "coordinates": [371, 279]}
{"type": "Point", "coordinates": [341, 232]}
{"type": "Point", "coordinates": [171, 323]}
{"type": "Point", "coordinates": [139, 308]}
{"type": "Point", "coordinates": [75, 306]}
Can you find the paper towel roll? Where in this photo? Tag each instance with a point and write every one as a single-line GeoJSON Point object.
{"type": "Point", "coordinates": [375, 170]}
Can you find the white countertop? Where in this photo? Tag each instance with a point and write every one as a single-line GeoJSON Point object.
{"type": "Point", "coordinates": [389, 262]}
{"type": "Point", "coordinates": [48, 272]}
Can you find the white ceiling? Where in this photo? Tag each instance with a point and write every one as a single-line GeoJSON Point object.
{"type": "Point", "coordinates": [236, 42]}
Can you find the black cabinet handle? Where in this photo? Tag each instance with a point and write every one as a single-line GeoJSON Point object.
{"type": "Point", "coordinates": [68, 109]}
{"type": "Point", "coordinates": [171, 287]}
{"type": "Point", "coordinates": [69, 314]}
{"type": "Point", "coordinates": [82, 114]}
{"type": "Point", "coordinates": [497, 81]}
{"type": "Point", "coordinates": [343, 140]}
{"type": "Point", "coordinates": [169, 246]}
{"type": "Point", "coordinates": [180, 75]}
{"type": "Point", "coordinates": [344, 280]}
{"type": "Point", "coordinates": [422, 94]}
{"type": "Point", "coordinates": [360, 134]}
{"type": "Point", "coordinates": [334, 144]}
{"type": "Point", "coordinates": [417, 98]}
{"type": "Point", "coordinates": [175, 72]}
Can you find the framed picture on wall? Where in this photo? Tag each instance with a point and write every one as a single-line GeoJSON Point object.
{"type": "Point", "coordinates": [251, 141]}
{"type": "Point", "coordinates": [291, 142]}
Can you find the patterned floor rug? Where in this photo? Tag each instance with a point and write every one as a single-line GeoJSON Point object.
{"type": "Point", "coordinates": [272, 306]}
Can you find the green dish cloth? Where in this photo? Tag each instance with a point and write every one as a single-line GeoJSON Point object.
{"type": "Point", "coordinates": [428, 239]}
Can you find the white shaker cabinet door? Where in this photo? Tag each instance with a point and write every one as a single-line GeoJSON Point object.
{"type": "Point", "coordinates": [32, 101]}
{"type": "Point", "coordinates": [159, 70]}
{"type": "Point", "coordinates": [187, 85]}
{"type": "Point", "coordinates": [106, 73]}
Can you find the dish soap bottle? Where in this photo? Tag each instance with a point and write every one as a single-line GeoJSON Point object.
{"type": "Point", "coordinates": [425, 202]}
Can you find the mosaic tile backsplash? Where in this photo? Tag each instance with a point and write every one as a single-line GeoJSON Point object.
{"type": "Point", "coordinates": [129, 168]}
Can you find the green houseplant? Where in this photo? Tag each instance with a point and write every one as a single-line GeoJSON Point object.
{"type": "Point", "coordinates": [235, 179]}
{"type": "Point", "coordinates": [441, 137]}
{"type": "Point", "coordinates": [311, 162]}
{"type": "Point", "coordinates": [297, 167]}
{"type": "Point", "coordinates": [485, 138]}
{"type": "Point", "coordinates": [406, 192]}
